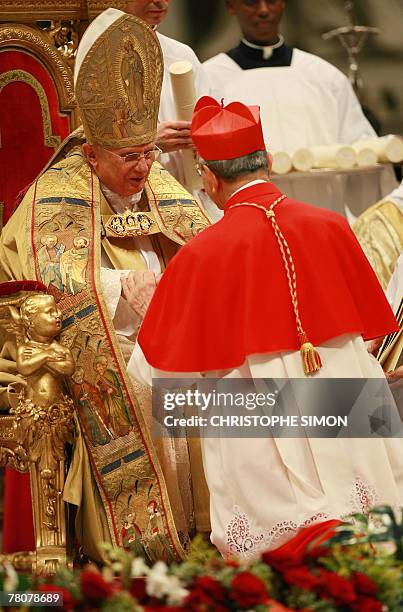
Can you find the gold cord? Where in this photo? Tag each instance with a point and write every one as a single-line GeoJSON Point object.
{"type": "Point", "coordinates": [311, 360]}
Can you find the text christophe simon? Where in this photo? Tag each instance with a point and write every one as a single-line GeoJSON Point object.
{"type": "Point", "coordinates": [215, 401]}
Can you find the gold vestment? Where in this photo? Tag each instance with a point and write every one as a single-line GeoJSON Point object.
{"type": "Point", "coordinates": [380, 233]}
{"type": "Point", "coordinates": [122, 475]}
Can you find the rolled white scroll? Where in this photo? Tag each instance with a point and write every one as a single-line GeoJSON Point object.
{"type": "Point", "coordinates": [282, 163]}
{"type": "Point", "coordinates": [366, 156]}
{"type": "Point", "coordinates": [334, 156]}
{"type": "Point", "coordinates": [302, 160]}
{"type": "Point", "coordinates": [388, 148]}
{"type": "Point", "coordinates": [184, 93]}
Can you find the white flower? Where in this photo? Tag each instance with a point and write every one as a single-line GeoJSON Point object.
{"type": "Point", "coordinates": [157, 580]}
{"type": "Point", "coordinates": [10, 579]}
{"type": "Point", "coordinates": [176, 592]}
{"type": "Point", "coordinates": [139, 568]}
{"type": "Point", "coordinates": [160, 584]}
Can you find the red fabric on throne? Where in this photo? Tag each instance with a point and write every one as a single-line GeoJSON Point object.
{"type": "Point", "coordinates": [28, 97]}
{"type": "Point", "coordinates": [23, 150]}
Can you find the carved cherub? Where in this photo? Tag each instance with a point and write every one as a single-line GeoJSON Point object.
{"type": "Point", "coordinates": [40, 358]}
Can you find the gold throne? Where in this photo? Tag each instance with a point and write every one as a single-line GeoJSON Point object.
{"type": "Point", "coordinates": [38, 39]}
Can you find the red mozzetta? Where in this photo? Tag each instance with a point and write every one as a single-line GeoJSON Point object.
{"type": "Point", "coordinates": [225, 295]}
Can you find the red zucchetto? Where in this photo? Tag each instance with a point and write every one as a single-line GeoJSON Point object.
{"type": "Point", "coordinates": [226, 132]}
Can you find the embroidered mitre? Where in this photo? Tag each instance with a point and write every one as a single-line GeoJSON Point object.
{"type": "Point", "coordinates": [118, 79]}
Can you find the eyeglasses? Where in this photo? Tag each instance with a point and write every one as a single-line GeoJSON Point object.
{"type": "Point", "coordinates": [199, 167]}
{"type": "Point", "coordinates": [130, 158]}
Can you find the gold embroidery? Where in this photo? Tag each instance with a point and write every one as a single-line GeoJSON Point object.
{"type": "Point", "coordinates": [124, 460]}
{"type": "Point", "coordinates": [176, 212]}
{"type": "Point", "coordinates": [131, 224]}
{"type": "Point", "coordinates": [119, 84]}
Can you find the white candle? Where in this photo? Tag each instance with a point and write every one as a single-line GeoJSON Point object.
{"type": "Point", "coordinates": [388, 148]}
{"type": "Point", "coordinates": [302, 160]}
{"type": "Point", "coordinates": [282, 163]}
{"type": "Point", "coordinates": [334, 156]}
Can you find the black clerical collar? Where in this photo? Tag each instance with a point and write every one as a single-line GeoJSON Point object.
{"type": "Point", "coordinates": [249, 56]}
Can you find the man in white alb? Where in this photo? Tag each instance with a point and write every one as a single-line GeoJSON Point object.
{"type": "Point", "coordinates": [304, 100]}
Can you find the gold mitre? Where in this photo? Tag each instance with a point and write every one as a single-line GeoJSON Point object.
{"type": "Point", "coordinates": [118, 79]}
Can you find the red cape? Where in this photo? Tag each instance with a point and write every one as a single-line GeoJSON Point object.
{"type": "Point", "coordinates": [225, 294]}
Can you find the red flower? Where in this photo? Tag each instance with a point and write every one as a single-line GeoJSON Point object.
{"type": "Point", "coordinates": [207, 594]}
{"type": "Point", "coordinates": [94, 587]}
{"type": "Point", "coordinates": [363, 584]}
{"type": "Point", "coordinates": [275, 606]}
{"type": "Point", "coordinates": [367, 604]}
{"type": "Point", "coordinates": [336, 587]}
{"type": "Point", "coordinates": [232, 563]}
{"type": "Point", "coordinates": [211, 587]}
{"type": "Point", "coordinates": [248, 590]}
{"type": "Point", "coordinates": [293, 552]}
{"type": "Point", "coordinates": [158, 608]}
{"type": "Point", "coordinates": [197, 601]}
{"type": "Point", "coordinates": [138, 589]}
{"type": "Point", "coordinates": [68, 599]}
{"type": "Point", "coordinates": [301, 577]}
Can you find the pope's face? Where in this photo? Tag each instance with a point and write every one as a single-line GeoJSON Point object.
{"type": "Point", "coordinates": [47, 321]}
{"type": "Point", "coordinates": [124, 178]}
{"type": "Point", "coordinates": [259, 19]}
{"type": "Point", "coordinates": [150, 11]}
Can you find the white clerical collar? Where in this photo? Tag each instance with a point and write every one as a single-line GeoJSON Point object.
{"type": "Point", "coordinates": [121, 203]}
{"type": "Point", "coordinates": [267, 50]}
{"type": "Point", "coordinates": [255, 182]}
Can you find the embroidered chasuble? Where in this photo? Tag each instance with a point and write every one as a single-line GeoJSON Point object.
{"type": "Point", "coordinates": [120, 251]}
{"type": "Point", "coordinates": [115, 476]}
{"type": "Point", "coordinates": [380, 232]}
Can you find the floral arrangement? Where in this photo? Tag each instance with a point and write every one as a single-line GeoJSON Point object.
{"type": "Point", "coordinates": [353, 567]}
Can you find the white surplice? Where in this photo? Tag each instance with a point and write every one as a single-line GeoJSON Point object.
{"type": "Point", "coordinates": [305, 104]}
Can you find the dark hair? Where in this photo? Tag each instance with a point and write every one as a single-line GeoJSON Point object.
{"type": "Point", "coordinates": [230, 169]}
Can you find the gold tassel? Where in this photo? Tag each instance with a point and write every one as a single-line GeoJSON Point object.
{"type": "Point", "coordinates": [311, 360]}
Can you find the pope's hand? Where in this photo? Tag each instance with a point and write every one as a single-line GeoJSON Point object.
{"type": "Point", "coordinates": [395, 380]}
{"type": "Point", "coordinates": [174, 135]}
{"type": "Point", "coordinates": [138, 289]}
